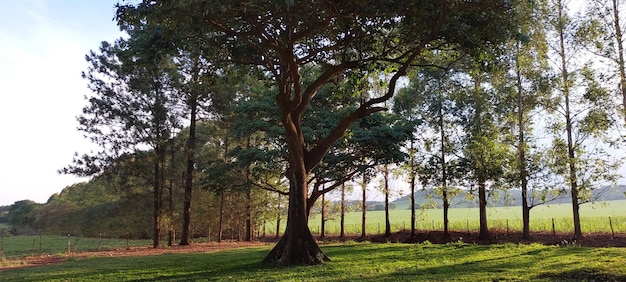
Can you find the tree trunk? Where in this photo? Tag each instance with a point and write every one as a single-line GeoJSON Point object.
{"type": "Point", "coordinates": [158, 194]}
{"type": "Point", "coordinates": [364, 206]}
{"type": "Point", "coordinates": [191, 145]}
{"type": "Point", "coordinates": [444, 174]}
{"type": "Point", "coordinates": [248, 235]}
{"type": "Point", "coordinates": [482, 199]}
{"type": "Point", "coordinates": [521, 152]}
{"type": "Point", "coordinates": [342, 220]}
{"type": "Point", "coordinates": [387, 223]}
{"type": "Point", "coordinates": [573, 181]}
{"type": "Point", "coordinates": [170, 202]}
{"type": "Point", "coordinates": [278, 218]}
{"type": "Point", "coordinates": [297, 246]}
{"type": "Point", "coordinates": [156, 214]}
{"type": "Point", "coordinates": [412, 183]}
{"type": "Point", "coordinates": [220, 226]}
{"type": "Point", "coordinates": [323, 226]}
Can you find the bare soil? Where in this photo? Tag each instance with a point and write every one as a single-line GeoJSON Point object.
{"type": "Point", "coordinates": [45, 259]}
{"type": "Point", "coordinates": [589, 240]}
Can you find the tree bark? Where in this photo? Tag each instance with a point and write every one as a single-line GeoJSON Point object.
{"type": "Point", "coordinates": [323, 226]}
{"type": "Point", "coordinates": [412, 184]}
{"type": "Point", "coordinates": [573, 181]}
{"type": "Point", "coordinates": [220, 226]}
{"type": "Point", "coordinates": [342, 220]}
{"type": "Point", "coordinates": [248, 236]}
{"type": "Point", "coordinates": [364, 206]}
{"type": "Point", "coordinates": [297, 246]}
{"type": "Point", "coordinates": [521, 150]}
{"type": "Point", "coordinates": [444, 174]}
{"type": "Point", "coordinates": [278, 218]}
{"type": "Point", "coordinates": [482, 203]}
{"type": "Point", "coordinates": [387, 222]}
{"type": "Point", "coordinates": [158, 194]}
{"type": "Point", "coordinates": [191, 145]}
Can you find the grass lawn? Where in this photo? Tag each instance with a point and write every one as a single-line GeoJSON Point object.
{"type": "Point", "coordinates": [351, 262]}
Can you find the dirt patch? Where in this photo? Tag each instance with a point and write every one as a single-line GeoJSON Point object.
{"type": "Point", "coordinates": [589, 240]}
{"type": "Point", "coordinates": [20, 262]}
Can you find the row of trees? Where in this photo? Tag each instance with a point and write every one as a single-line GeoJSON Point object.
{"type": "Point", "coordinates": [298, 97]}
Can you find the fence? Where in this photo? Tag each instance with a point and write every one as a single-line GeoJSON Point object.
{"type": "Point", "coordinates": [608, 225]}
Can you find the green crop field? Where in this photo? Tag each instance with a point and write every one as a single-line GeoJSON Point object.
{"type": "Point", "coordinates": [14, 246]}
{"type": "Point", "coordinates": [351, 262]}
{"type": "Point", "coordinates": [594, 218]}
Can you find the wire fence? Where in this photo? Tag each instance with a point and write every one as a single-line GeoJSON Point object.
{"type": "Point", "coordinates": [38, 244]}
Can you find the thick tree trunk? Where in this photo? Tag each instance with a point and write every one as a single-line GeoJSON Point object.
{"type": "Point", "coordinates": [297, 246]}
{"type": "Point", "coordinates": [482, 203]}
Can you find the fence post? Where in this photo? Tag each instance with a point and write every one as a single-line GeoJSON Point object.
{"type": "Point", "coordinates": [507, 226]}
{"type": "Point", "coordinates": [468, 230]}
{"type": "Point", "coordinates": [100, 242]}
{"type": "Point", "coordinates": [69, 244]}
{"type": "Point", "coordinates": [612, 232]}
{"type": "Point", "coordinates": [553, 229]}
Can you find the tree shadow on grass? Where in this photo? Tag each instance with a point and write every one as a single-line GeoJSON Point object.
{"type": "Point", "coordinates": [583, 274]}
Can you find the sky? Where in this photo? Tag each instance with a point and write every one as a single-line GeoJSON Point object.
{"type": "Point", "coordinates": [42, 54]}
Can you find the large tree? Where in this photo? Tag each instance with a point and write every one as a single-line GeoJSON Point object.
{"type": "Point", "coordinates": [428, 97]}
{"type": "Point", "coordinates": [132, 108]}
{"type": "Point", "coordinates": [583, 106]}
{"type": "Point", "coordinates": [284, 36]}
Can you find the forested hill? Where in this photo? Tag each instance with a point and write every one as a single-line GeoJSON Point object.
{"type": "Point", "coordinates": [512, 197]}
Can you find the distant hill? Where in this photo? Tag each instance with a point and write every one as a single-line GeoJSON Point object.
{"type": "Point", "coordinates": [513, 198]}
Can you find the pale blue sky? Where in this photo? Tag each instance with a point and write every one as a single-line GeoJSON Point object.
{"type": "Point", "coordinates": [42, 49]}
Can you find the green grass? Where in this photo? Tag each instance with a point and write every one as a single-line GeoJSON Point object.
{"type": "Point", "coordinates": [594, 218]}
{"type": "Point", "coordinates": [352, 262]}
{"type": "Point", "coordinates": [14, 246]}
